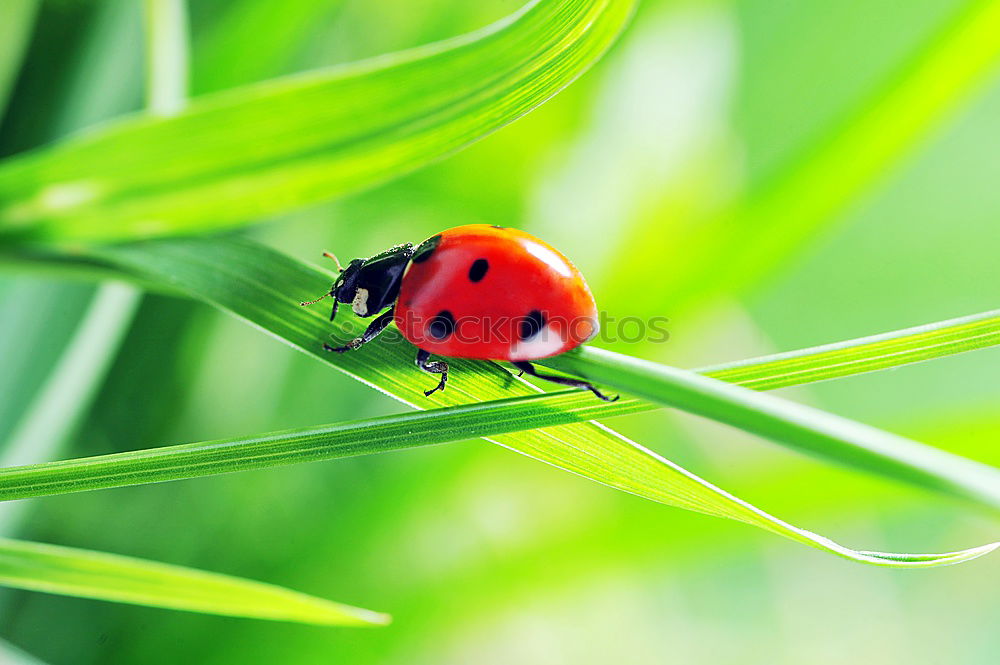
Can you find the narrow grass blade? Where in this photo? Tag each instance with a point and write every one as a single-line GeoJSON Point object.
{"type": "Point", "coordinates": [270, 147]}
{"type": "Point", "coordinates": [310, 444]}
{"type": "Point", "coordinates": [795, 425]}
{"type": "Point", "coordinates": [88, 574]}
{"type": "Point", "coordinates": [867, 354]}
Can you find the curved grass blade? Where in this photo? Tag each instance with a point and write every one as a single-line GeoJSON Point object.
{"type": "Point", "coordinates": [88, 574]}
{"type": "Point", "coordinates": [263, 287]}
{"type": "Point", "coordinates": [274, 146]}
{"type": "Point", "coordinates": [795, 425]}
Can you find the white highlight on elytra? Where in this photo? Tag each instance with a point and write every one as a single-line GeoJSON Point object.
{"type": "Point", "coordinates": [542, 344]}
{"type": "Point", "coordinates": [360, 304]}
{"type": "Point", "coordinates": [550, 258]}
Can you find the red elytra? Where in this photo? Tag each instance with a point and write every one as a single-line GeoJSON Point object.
{"type": "Point", "coordinates": [495, 293]}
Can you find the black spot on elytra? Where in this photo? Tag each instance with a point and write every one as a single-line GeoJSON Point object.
{"type": "Point", "coordinates": [442, 325]}
{"type": "Point", "coordinates": [425, 249]}
{"type": "Point", "coordinates": [478, 269]}
{"type": "Point", "coordinates": [532, 324]}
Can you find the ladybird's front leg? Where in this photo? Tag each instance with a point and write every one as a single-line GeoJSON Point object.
{"type": "Point", "coordinates": [380, 323]}
{"type": "Point", "coordinates": [436, 367]}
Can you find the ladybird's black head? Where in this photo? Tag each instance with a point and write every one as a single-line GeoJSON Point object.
{"type": "Point", "coordinates": [371, 285]}
{"type": "Point", "coordinates": [346, 285]}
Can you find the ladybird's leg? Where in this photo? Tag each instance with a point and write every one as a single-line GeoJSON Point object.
{"type": "Point", "coordinates": [529, 369]}
{"type": "Point", "coordinates": [436, 367]}
{"type": "Point", "coordinates": [371, 332]}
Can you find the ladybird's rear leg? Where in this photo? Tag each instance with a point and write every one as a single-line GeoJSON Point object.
{"type": "Point", "coordinates": [529, 369]}
{"type": "Point", "coordinates": [371, 332]}
{"type": "Point", "coordinates": [435, 367]}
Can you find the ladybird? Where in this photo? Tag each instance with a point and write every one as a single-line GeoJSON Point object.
{"type": "Point", "coordinates": [474, 291]}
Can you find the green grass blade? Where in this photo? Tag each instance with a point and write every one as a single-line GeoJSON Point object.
{"type": "Point", "coordinates": [868, 354]}
{"type": "Point", "coordinates": [271, 147]}
{"type": "Point", "coordinates": [795, 425]}
{"type": "Point", "coordinates": [88, 574]}
{"type": "Point", "coordinates": [310, 444]}
{"type": "Point", "coordinates": [263, 287]}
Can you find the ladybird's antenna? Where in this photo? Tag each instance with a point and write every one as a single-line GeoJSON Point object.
{"type": "Point", "coordinates": [313, 302]}
{"type": "Point", "coordinates": [331, 255]}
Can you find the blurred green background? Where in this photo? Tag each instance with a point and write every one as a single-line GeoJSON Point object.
{"type": "Point", "coordinates": [483, 556]}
